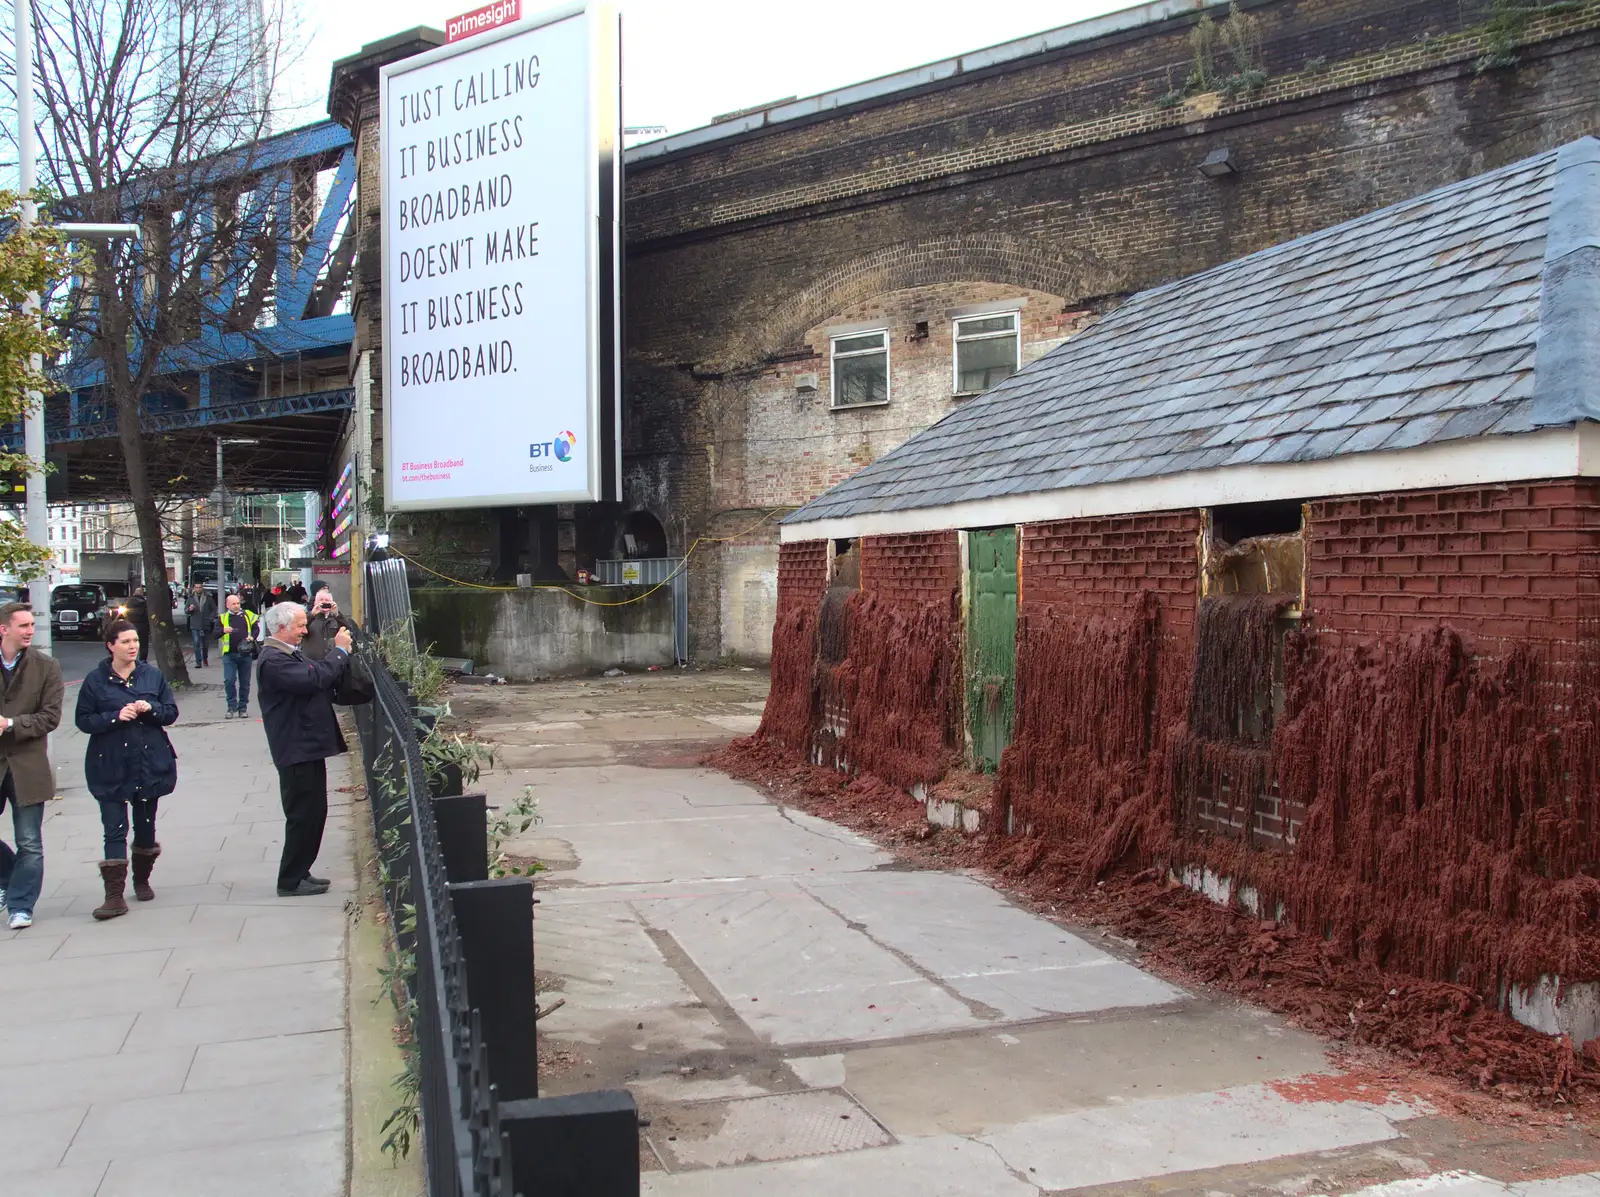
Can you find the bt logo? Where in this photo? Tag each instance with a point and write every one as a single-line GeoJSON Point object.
{"type": "Point", "coordinates": [560, 448]}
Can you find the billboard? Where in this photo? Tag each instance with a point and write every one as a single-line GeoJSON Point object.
{"type": "Point", "coordinates": [501, 266]}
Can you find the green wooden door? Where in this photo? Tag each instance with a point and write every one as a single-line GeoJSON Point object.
{"type": "Point", "coordinates": [991, 642]}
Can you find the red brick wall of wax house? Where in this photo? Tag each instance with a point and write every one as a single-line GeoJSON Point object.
{"type": "Point", "coordinates": [802, 573]}
{"type": "Point", "coordinates": [1427, 798]}
{"type": "Point", "coordinates": [1104, 655]}
{"type": "Point", "coordinates": [912, 568]}
{"type": "Point", "coordinates": [791, 713]}
{"type": "Point", "coordinates": [1504, 565]}
{"type": "Point", "coordinates": [1104, 562]}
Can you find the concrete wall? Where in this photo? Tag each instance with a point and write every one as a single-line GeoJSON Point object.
{"type": "Point", "coordinates": [527, 634]}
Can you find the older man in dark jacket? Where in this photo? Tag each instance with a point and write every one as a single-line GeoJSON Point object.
{"type": "Point", "coordinates": [303, 732]}
{"type": "Point", "coordinates": [30, 709]}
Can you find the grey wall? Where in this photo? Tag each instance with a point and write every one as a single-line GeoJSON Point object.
{"type": "Point", "coordinates": [525, 634]}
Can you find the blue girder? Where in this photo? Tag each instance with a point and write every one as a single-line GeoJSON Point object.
{"type": "Point", "coordinates": [264, 173]}
{"type": "Point", "coordinates": [238, 412]}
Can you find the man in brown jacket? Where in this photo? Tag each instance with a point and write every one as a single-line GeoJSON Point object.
{"type": "Point", "coordinates": [30, 709]}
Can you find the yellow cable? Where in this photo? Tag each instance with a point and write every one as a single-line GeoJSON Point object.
{"type": "Point", "coordinates": [638, 598]}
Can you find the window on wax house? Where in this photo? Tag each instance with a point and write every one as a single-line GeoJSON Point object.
{"type": "Point", "coordinates": [860, 369]}
{"type": "Point", "coordinates": [988, 350]}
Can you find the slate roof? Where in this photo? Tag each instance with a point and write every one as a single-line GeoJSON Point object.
{"type": "Point", "coordinates": [1409, 326]}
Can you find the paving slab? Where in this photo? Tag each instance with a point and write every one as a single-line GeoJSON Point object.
{"type": "Point", "coordinates": [243, 1062]}
{"type": "Point", "coordinates": [942, 1166]}
{"type": "Point", "coordinates": [196, 1045]}
{"type": "Point", "coordinates": [81, 1082]}
{"type": "Point", "coordinates": [796, 972]}
{"type": "Point", "coordinates": [1135, 1140]}
{"type": "Point", "coordinates": [309, 1165]}
{"type": "Point", "coordinates": [985, 948]}
{"type": "Point", "coordinates": [81, 1181]}
{"type": "Point", "coordinates": [213, 1118]}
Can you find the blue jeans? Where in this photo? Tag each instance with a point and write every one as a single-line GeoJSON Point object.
{"type": "Point", "coordinates": [236, 680]}
{"type": "Point", "coordinates": [114, 821]}
{"type": "Point", "coordinates": [22, 870]}
{"type": "Point", "coordinates": [202, 643]}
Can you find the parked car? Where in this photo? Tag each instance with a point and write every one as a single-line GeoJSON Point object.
{"type": "Point", "coordinates": [78, 610]}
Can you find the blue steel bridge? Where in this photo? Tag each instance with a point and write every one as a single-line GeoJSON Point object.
{"type": "Point", "coordinates": [270, 358]}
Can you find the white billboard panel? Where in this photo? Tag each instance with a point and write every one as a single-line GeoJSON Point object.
{"type": "Point", "coordinates": [501, 188]}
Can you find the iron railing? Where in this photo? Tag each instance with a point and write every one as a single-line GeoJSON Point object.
{"type": "Point", "coordinates": [388, 595]}
{"type": "Point", "coordinates": [465, 1151]}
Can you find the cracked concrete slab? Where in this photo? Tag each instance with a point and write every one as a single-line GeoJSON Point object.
{"type": "Point", "coordinates": [1136, 1140]}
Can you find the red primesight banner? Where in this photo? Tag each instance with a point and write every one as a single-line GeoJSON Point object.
{"type": "Point", "coordinates": [480, 20]}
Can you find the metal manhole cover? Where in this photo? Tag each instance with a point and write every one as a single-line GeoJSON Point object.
{"type": "Point", "coordinates": [785, 1126]}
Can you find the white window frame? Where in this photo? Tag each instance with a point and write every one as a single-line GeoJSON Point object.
{"type": "Point", "coordinates": [957, 340]}
{"type": "Point", "coordinates": [833, 359]}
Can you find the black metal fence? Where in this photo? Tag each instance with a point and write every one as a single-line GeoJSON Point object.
{"type": "Point", "coordinates": [465, 1148]}
{"type": "Point", "coordinates": [464, 943]}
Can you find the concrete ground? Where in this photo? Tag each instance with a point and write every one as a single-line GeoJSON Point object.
{"type": "Point", "coordinates": [197, 1045]}
{"type": "Point", "coordinates": [798, 1012]}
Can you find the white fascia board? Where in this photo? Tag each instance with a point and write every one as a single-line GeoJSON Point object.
{"type": "Point", "coordinates": [1572, 452]}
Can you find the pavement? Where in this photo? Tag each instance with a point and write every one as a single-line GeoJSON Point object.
{"type": "Point", "coordinates": [197, 1045]}
{"type": "Point", "coordinates": [800, 1012]}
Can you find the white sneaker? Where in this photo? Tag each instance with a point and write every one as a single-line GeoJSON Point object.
{"type": "Point", "coordinates": [20, 920]}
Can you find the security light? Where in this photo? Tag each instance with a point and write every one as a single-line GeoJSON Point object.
{"type": "Point", "coordinates": [1219, 164]}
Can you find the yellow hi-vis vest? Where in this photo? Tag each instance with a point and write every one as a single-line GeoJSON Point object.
{"type": "Point", "coordinates": [250, 618]}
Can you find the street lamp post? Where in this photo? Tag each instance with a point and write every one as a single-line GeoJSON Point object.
{"type": "Point", "coordinates": [222, 499]}
{"type": "Point", "coordinates": [37, 511]}
{"type": "Point", "coordinates": [37, 514]}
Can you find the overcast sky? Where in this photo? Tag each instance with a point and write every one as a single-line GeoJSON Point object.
{"type": "Point", "coordinates": [688, 60]}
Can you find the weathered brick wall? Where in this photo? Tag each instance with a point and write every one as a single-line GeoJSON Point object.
{"type": "Point", "coordinates": [912, 568]}
{"type": "Point", "coordinates": [1505, 565]}
{"type": "Point", "coordinates": [1061, 176]}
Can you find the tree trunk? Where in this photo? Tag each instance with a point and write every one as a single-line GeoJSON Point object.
{"type": "Point", "coordinates": [166, 650]}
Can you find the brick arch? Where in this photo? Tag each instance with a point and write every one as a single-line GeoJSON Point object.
{"type": "Point", "coordinates": [992, 258]}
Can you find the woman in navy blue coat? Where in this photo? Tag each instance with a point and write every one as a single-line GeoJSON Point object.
{"type": "Point", "coordinates": [125, 706]}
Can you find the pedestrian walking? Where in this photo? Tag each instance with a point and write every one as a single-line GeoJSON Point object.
{"type": "Point", "coordinates": [125, 707]}
{"type": "Point", "coordinates": [302, 732]}
{"type": "Point", "coordinates": [139, 617]}
{"type": "Point", "coordinates": [202, 611]}
{"type": "Point", "coordinates": [30, 709]}
{"type": "Point", "coordinates": [239, 639]}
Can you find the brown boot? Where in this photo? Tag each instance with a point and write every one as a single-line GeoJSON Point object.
{"type": "Point", "coordinates": [115, 874]}
{"type": "Point", "coordinates": [144, 859]}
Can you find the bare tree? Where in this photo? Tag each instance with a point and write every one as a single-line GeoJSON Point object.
{"type": "Point", "coordinates": [149, 110]}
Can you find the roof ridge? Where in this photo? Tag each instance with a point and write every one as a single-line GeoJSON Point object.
{"type": "Point", "coordinates": [1567, 371]}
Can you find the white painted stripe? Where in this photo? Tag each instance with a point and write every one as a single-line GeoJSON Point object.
{"type": "Point", "coordinates": [1472, 461]}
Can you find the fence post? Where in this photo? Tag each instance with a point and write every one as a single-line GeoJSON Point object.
{"type": "Point", "coordinates": [495, 921]}
{"type": "Point", "coordinates": [463, 823]}
{"type": "Point", "coordinates": [582, 1145]}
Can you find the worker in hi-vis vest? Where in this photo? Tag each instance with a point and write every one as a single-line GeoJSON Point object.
{"type": "Point", "coordinates": [239, 637]}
